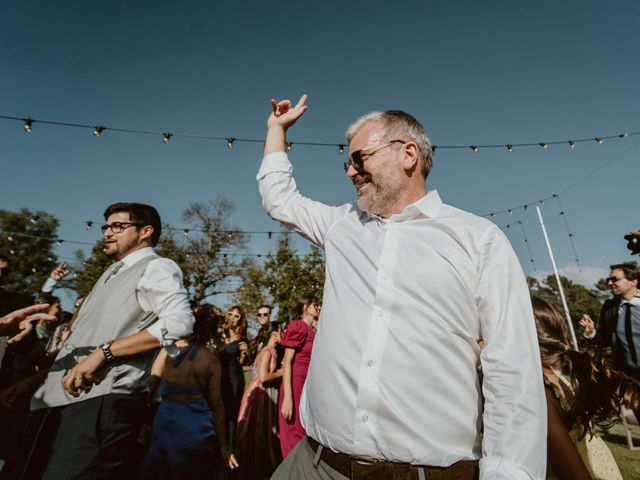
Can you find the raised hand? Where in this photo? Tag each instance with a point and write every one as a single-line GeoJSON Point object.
{"type": "Point", "coordinates": [21, 320]}
{"type": "Point", "coordinates": [284, 114]}
{"type": "Point", "coordinates": [60, 272]}
{"type": "Point", "coordinates": [588, 327]}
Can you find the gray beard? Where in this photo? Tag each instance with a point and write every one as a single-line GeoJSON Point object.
{"type": "Point", "coordinates": [381, 196]}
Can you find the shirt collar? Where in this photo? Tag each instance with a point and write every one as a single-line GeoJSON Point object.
{"type": "Point", "coordinates": [137, 255]}
{"type": "Point", "coordinates": [428, 206]}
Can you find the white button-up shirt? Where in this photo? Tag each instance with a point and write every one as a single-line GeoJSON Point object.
{"type": "Point", "coordinates": [393, 373]}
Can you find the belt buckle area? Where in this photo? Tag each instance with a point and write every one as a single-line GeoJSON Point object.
{"type": "Point", "coordinates": [362, 469]}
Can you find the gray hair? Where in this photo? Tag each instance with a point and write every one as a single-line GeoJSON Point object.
{"type": "Point", "coordinates": [400, 125]}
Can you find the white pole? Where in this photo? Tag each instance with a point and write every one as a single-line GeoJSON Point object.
{"type": "Point", "coordinates": [555, 271]}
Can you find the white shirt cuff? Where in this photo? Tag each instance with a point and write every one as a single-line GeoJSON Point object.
{"type": "Point", "coordinates": [495, 468]}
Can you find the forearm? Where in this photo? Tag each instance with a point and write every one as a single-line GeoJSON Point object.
{"type": "Point", "coordinates": [133, 344]}
{"type": "Point", "coordinates": [286, 380]}
{"type": "Point", "coordinates": [265, 380]}
{"type": "Point", "coordinates": [275, 140]}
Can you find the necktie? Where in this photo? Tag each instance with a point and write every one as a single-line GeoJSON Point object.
{"type": "Point", "coordinates": [629, 333]}
{"type": "Point", "coordinates": [113, 270]}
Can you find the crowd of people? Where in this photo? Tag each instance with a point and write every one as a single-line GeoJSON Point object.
{"type": "Point", "coordinates": [431, 359]}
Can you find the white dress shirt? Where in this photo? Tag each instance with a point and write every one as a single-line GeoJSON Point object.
{"type": "Point", "coordinates": [161, 290]}
{"type": "Point", "coordinates": [393, 373]}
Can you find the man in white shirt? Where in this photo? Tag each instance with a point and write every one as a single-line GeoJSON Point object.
{"type": "Point", "coordinates": [99, 378]}
{"type": "Point", "coordinates": [412, 287]}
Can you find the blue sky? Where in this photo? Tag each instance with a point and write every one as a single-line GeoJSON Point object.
{"type": "Point", "coordinates": [493, 72]}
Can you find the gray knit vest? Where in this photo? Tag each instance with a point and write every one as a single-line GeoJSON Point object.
{"type": "Point", "coordinates": [110, 311]}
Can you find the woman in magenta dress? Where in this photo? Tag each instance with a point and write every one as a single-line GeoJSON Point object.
{"type": "Point", "coordinates": [298, 342]}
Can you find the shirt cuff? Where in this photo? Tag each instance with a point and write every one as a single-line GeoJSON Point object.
{"type": "Point", "coordinates": [589, 336]}
{"type": "Point", "coordinates": [495, 468]}
{"type": "Point", "coordinates": [274, 162]}
{"type": "Point", "coordinates": [49, 285]}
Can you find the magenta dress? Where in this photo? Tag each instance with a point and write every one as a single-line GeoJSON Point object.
{"type": "Point", "coordinates": [298, 336]}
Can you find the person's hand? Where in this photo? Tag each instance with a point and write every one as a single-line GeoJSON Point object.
{"type": "Point", "coordinates": [635, 233]}
{"type": "Point", "coordinates": [284, 115]}
{"type": "Point", "coordinates": [588, 327]}
{"type": "Point", "coordinates": [229, 458]}
{"type": "Point", "coordinates": [59, 272]}
{"type": "Point", "coordinates": [287, 409]}
{"type": "Point", "coordinates": [10, 396]}
{"type": "Point", "coordinates": [81, 376]}
{"type": "Point", "coordinates": [21, 320]}
{"type": "Point", "coordinates": [244, 351]}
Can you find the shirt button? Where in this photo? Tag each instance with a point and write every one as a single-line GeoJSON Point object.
{"type": "Point", "coordinates": [380, 312]}
{"type": "Point", "coordinates": [370, 363]}
{"type": "Point", "coordinates": [365, 419]}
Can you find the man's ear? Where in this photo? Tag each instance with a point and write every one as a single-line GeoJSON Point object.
{"type": "Point", "coordinates": [411, 156]}
{"type": "Point", "coordinates": [146, 232]}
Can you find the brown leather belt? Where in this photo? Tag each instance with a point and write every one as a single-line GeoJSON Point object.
{"type": "Point", "coordinates": [356, 469]}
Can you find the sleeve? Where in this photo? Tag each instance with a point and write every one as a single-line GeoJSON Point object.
{"type": "Point", "coordinates": [515, 414]}
{"type": "Point", "coordinates": [161, 291]}
{"type": "Point", "coordinates": [49, 285]}
{"type": "Point", "coordinates": [295, 335]}
{"type": "Point", "coordinates": [283, 202]}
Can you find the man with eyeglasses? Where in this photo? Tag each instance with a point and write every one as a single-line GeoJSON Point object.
{"type": "Point", "coordinates": [99, 378]}
{"type": "Point", "coordinates": [412, 286]}
{"type": "Point", "coordinates": [619, 324]}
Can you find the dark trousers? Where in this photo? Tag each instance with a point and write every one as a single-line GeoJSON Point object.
{"type": "Point", "coordinates": [97, 439]}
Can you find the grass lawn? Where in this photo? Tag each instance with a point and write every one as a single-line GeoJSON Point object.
{"type": "Point", "coordinates": [628, 460]}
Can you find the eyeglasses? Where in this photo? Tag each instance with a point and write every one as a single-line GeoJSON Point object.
{"type": "Point", "coordinates": [613, 279]}
{"type": "Point", "coordinates": [117, 227]}
{"type": "Point", "coordinates": [357, 158]}
{"type": "Point", "coordinates": [263, 314]}
{"type": "Point", "coordinates": [234, 315]}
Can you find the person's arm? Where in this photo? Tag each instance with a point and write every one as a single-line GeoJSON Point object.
{"type": "Point", "coordinates": [161, 290]}
{"type": "Point", "coordinates": [10, 396]}
{"type": "Point", "coordinates": [514, 415]}
{"type": "Point", "coordinates": [263, 364]}
{"type": "Point", "coordinates": [55, 276]}
{"type": "Point", "coordinates": [280, 196]}
{"type": "Point", "coordinates": [157, 371]}
{"type": "Point", "coordinates": [81, 376]}
{"type": "Point", "coordinates": [19, 323]}
{"type": "Point", "coordinates": [214, 397]}
{"type": "Point", "coordinates": [287, 386]}
{"type": "Point", "coordinates": [562, 454]}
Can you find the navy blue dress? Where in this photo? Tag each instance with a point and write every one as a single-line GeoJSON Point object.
{"type": "Point", "coordinates": [184, 444]}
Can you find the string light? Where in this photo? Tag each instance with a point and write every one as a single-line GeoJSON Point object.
{"type": "Point", "coordinates": [599, 141]}
{"type": "Point", "coordinates": [544, 145]}
{"type": "Point", "coordinates": [97, 130]}
{"type": "Point", "coordinates": [88, 226]}
{"type": "Point", "coordinates": [186, 232]}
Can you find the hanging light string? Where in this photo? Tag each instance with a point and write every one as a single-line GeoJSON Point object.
{"type": "Point", "coordinates": [9, 236]}
{"type": "Point", "coordinates": [566, 224]}
{"type": "Point", "coordinates": [526, 242]}
{"type": "Point", "coordinates": [166, 137]}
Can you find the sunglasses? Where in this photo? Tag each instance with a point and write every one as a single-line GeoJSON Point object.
{"type": "Point", "coordinates": [263, 314]}
{"type": "Point", "coordinates": [613, 279]}
{"type": "Point", "coordinates": [357, 158]}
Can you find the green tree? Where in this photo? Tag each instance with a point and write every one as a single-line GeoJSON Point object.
{"type": "Point", "coordinates": [209, 249]}
{"type": "Point", "coordinates": [580, 299]}
{"type": "Point", "coordinates": [281, 279]}
{"type": "Point", "coordinates": [88, 269]}
{"type": "Point", "coordinates": [27, 238]}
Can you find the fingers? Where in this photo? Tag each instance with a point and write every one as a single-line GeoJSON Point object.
{"type": "Point", "coordinates": [25, 328]}
{"type": "Point", "coordinates": [41, 316]}
{"type": "Point", "coordinates": [232, 462]}
{"type": "Point", "coordinates": [302, 102]}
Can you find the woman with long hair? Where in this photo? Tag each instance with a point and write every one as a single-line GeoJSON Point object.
{"type": "Point", "coordinates": [297, 342]}
{"type": "Point", "coordinates": [189, 424]}
{"type": "Point", "coordinates": [233, 355]}
{"type": "Point", "coordinates": [583, 394]}
{"type": "Point", "coordinates": [257, 442]}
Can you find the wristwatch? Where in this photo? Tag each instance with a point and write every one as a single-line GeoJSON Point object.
{"type": "Point", "coordinates": [106, 349]}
